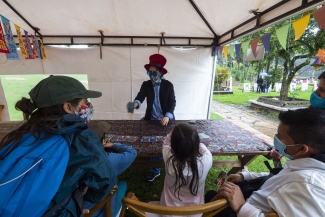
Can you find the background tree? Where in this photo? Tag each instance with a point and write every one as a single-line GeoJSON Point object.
{"type": "Point", "coordinates": [222, 74]}
{"type": "Point", "coordinates": [303, 49]}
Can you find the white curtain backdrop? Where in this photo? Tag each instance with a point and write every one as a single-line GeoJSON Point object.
{"type": "Point", "coordinates": [120, 74]}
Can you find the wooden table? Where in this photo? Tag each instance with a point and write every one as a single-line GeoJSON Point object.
{"type": "Point", "coordinates": [226, 139]}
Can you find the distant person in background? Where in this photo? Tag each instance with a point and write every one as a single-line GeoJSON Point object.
{"type": "Point", "coordinates": [267, 86]}
{"type": "Point", "coordinates": [259, 82]}
{"type": "Point", "coordinates": [317, 98]}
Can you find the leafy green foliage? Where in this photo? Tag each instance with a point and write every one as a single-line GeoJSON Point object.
{"type": "Point", "coordinates": [303, 49]}
{"type": "Point", "coordinates": [222, 74]}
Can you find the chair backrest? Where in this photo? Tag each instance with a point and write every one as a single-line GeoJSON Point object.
{"type": "Point", "coordinates": [272, 213]}
{"type": "Point", "coordinates": [106, 203]}
{"type": "Point", "coordinates": [139, 208]}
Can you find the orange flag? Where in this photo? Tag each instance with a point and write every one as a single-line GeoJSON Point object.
{"type": "Point", "coordinates": [254, 43]}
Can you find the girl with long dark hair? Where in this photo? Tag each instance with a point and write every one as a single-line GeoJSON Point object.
{"type": "Point", "coordinates": [187, 163]}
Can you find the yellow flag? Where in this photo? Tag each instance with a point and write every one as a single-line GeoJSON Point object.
{"type": "Point", "coordinates": [22, 46]}
{"type": "Point", "coordinates": [42, 50]}
{"type": "Point", "coordinates": [225, 52]}
{"type": "Point", "coordinates": [232, 51]}
{"type": "Point", "coordinates": [300, 26]}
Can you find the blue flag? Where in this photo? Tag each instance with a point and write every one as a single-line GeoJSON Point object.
{"type": "Point", "coordinates": [13, 55]}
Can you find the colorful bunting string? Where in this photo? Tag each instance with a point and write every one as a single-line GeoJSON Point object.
{"type": "Point", "coordinates": [266, 41]}
{"type": "Point", "coordinates": [282, 35]}
{"type": "Point", "coordinates": [220, 51]}
{"type": "Point", "coordinates": [23, 49]}
{"type": "Point", "coordinates": [237, 48]}
{"type": "Point", "coordinates": [225, 52]}
{"type": "Point", "coordinates": [232, 51]}
{"type": "Point", "coordinates": [300, 26]}
{"type": "Point", "coordinates": [13, 55]}
{"type": "Point", "coordinates": [254, 43]}
{"type": "Point", "coordinates": [30, 49]}
{"type": "Point", "coordinates": [3, 46]}
{"type": "Point", "coordinates": [319, 16]}
{"type": "Point", "coordinates": [244, 47]}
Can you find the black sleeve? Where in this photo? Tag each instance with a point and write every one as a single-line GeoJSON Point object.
{"type": "Point", "coordinates": [142, 93]}
{"type": "Point", "coordinates": [171, 101]}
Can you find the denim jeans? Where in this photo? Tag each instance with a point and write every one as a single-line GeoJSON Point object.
{"type": "Point", "coordinates": [155, 170]}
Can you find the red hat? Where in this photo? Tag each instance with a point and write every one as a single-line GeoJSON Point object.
{"type": "Point", "coordinates": [158, 61]}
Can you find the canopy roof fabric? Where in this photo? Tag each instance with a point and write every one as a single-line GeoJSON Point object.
{"type": "Point", "coordinates": [139, 22]}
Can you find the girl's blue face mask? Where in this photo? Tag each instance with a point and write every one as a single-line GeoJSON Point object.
{"type": "Point", "coordinates": [280, 147]}
{"type": "Point", "coordinates": [317, 101]}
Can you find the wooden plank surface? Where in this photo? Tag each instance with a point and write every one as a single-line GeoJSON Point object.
{"type": "Point", "coordinates": [8, 126]}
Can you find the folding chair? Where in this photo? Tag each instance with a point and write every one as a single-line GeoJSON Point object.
{"type": "Point", "coordinates": [141, 208]}
{"type": "Point", "coordinates": [106, 203]}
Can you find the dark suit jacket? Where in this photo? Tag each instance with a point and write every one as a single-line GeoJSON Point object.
{"type": "Point", "coordinates": [166, 97]}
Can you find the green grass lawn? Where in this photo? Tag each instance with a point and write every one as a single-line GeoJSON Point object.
{"type": "Point", "coordinates": [240, 97]}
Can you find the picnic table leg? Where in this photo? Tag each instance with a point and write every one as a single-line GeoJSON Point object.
{"type": "Point", "coordinates": [245, 160]}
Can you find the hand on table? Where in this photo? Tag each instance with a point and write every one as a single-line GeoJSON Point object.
{"type": "Point", "coordinates": [235, 178]}
{"type": "Point", "coordinates": [233, 195]}
{"type": "Point", "coordinates": [108, 144]}
{"type": "Point", "coordinates": [275, 155]}
{"type": "Point", "coordinates": [164, 121]}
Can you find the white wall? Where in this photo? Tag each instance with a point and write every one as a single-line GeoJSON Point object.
{"type": "Point", "coordinates": [120, 74]}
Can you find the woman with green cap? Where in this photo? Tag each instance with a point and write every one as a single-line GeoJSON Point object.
{"type": "Point", "coordinates": [58, 106]}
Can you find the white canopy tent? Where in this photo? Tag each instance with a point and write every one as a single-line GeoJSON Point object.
{"type": "Point", "coordinates": [133, 30]}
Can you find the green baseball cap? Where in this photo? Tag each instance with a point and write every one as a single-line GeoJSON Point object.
{"type": "Point", "coordinates": [56, 90]}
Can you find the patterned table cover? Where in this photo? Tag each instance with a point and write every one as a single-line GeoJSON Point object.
{"type": "Point", "coordinates": [225, 137]}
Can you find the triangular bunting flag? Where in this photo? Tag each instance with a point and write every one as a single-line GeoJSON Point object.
{"type": "Point", "coordinates": [232, 51]}
{"type": "Point", "coordinates": [237, 48]}
{"type": "Point", "coordinates": [220, 51]}
{"type": "Point", "coordinates": [29, 47]}
{"type": "Point", "coordinates": [254, 43]}
{"type": "Point", "coordinates": [37, 47]}
{"type": "Point", "coordinates": [13, 55]}
{"type": "Point", "coordinates": [42, 49]}
{"type": "Point", "coordinates": [282, 35]}
{"type": "Point", "coordinates": [321, 54]}
{"type": "Point", "coordinates": [319, 16]}
{"type": "Point", "coordinates": [266, 41]}
{"type": "Point", "coordinates": [244, 47]}
{"type": "Point", "coordinates": [23, 49]}
{"type": "Point", "coordinates": [300, 26]}
{"type": "Point", "coordinates": [225, 52]}
{"type": "Point", "coordinates": [3, 45]}
{"type": "Point", "coordinates": [34, 42]}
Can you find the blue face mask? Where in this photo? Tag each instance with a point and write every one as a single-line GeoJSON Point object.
{"type": "Point", "coordinates": [154, 77]}
{"type": "Point", "coordinates": [280, 147]}
{"type": "Point", "coordinates": [317, 101]}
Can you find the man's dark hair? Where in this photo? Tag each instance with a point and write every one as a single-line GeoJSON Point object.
{"type": "Point", "coordinates": [322, 75]}
{"type": "Point", "coordinates": [306, 126]}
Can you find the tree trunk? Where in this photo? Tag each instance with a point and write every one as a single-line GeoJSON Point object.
{"type": "Point", "coordinates": [268, 66]}
{"type": "Point", "coordinates": [285, 81]}
{"type": "Point", "coordinates": [284, 91]}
